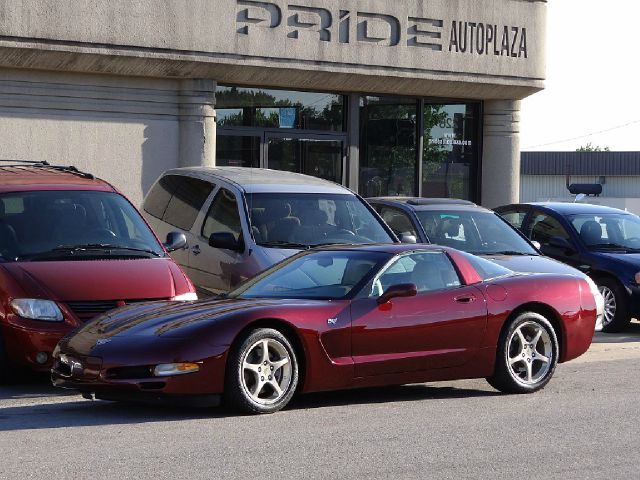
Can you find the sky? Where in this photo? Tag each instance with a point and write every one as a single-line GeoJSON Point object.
{"type": "Point", "coordinates": [592, 90]}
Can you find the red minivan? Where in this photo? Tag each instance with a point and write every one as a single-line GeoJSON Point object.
{"type": "Point", "coordinates": [72, 247]}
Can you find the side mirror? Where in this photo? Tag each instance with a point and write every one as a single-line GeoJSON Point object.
{"type": "Point", "coordinates": [562, 244]}
{"type": "Point", "coordinates": [399, 290]}
{"type": "Point", "coordinates": [175, 241]}
{"type": "Point", "coordinates": [226, 241]}
{"type": "Point", "coordinates": [408, 238]}
{"type": "Point", "coordinates": [536, 244]}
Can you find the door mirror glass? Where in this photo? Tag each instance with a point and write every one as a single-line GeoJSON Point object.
{"type": "Point", "coordinates": [225, 240]}
{"type": "Point", "coordinates": [175, 241]}
{"type": "Point", "coordinates": [399, 290]}
{"type": "Point", "coordinates": [408, 238]}
{"type": "Point", "coordinates": [536, 244]}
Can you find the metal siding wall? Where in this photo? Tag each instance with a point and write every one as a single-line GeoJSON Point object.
{"type": "Point", "coordinates": [543, 187]}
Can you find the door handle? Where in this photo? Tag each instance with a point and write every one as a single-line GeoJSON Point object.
{"type": "Point", "coordinates": [465, 298]}
{"type": "Point", "coordinates": [196, 250]}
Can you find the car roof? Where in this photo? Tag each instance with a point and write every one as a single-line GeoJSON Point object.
{"type": "Point", "coordinates": [576, 208]}
{"type": "Point", "coordinates": [425, 204]}
{"type": "Point", "coordinates": [40, 176]}
{"type": "Point", "coordinates": [263, 180]}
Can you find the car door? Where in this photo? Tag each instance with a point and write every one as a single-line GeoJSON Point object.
{"type": "Point", "coordinates": [398, 221]}
{"type": "Point", "coordinates": [442, 326]}
{"type": "Point", "coordinates": [542, 227]}
{"type": "Point", "coordinates": [174, 204]}
{"type": "Point", "coordinates": [214, 269]}
{"type": "Point", "coordinates": [515, 215]}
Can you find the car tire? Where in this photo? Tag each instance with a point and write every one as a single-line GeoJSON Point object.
{"type": "Point", "coordinates": [526, 356]}
{"type": "Point", "coordinates": [617, 299]}
{"type": "Point", "coordinates": [257, 382]}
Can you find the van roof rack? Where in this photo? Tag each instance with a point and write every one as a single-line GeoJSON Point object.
{"type": "Point", "coordinates": [44, 164]}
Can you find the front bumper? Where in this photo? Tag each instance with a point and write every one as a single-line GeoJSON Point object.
{"type": "Point", "coordinates": [25, 340]}
{"type": "Point", "coordinates": [93, 377]}
{"type": "Point", "coordinates": [634, 299]}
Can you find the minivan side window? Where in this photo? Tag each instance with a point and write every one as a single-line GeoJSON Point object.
{"type": "Point", "coordinates": [514, 217]}
{"type": "Point", "coordinates": [223, 216]}
{"type": "Point", "coordinates": [177, 200]}
{"type": "Point", "coordinates": [399, 221]}
{"type": "Point", "coordinates": [544, 226]}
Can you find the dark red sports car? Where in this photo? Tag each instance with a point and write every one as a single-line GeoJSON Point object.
{"type": "Point", "coordinates": [338, 318]}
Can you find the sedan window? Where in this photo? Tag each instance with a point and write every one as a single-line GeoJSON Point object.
{"type": "Point", "coordinates": [608, 230]}
{"type": "Point", "coordinates": [429, 271]}
{"type": "Point", "coordinates": [544, 227]}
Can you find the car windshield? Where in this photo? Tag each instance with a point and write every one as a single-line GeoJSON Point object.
{"type": "Point", "coordinates": [301, 220]}
{"type": "Point", "coordinates": [54, 225]}
{"type": "Point", "coordinates": [608, 231]}
{"type": "Point", "coordinates": [321, 275]}
{"type": "Point", "coordinates": [480, 233]}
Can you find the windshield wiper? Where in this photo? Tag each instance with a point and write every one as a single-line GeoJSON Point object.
{"type": "Point", "coordinates": [70, 249]}
{"type": "Point", "coordinates": [508, 252]}
{"type": "Point", "coordinates": [614, 246]}
{"type": "Point", "coordinates": [283, 244]}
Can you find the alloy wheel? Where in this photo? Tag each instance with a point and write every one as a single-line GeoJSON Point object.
{"type": "Point", "coordinates": [530, 353]}
{"type": "Point", "coordinates": [610, 306]}
{"type": "Point", "coordinates": [266, 371]}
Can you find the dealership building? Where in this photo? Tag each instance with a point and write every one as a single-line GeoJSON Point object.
{"type": "Point", "coordinates": [419, 97]}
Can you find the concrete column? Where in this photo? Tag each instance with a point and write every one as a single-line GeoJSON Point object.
{"type": "Point", "coordinates": [501, 153]}
{"type": "Point", "coordinates": [197, 123]}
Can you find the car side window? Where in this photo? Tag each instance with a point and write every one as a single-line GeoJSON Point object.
{"type": "Point", "coordinates": [177, 200]}
{"type": "Point", "coordinates": [398, 221]}
{"type": "Point", "coordinates": [429, 271]}
{"type": "Point", "coordinates": [544, 226]}
{"type": "Point", "coordinates": [223, 216]}
{"type": "Point", "coordinates": [514, 217]}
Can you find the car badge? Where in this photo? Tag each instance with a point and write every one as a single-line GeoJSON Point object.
{"type": "Point", "coordinates": [102, 341]}
{"type": "Point", "coordinates": [332, 321]}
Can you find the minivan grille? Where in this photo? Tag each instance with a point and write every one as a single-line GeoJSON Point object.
{"type": "Point", "coordinates": [86, 310]}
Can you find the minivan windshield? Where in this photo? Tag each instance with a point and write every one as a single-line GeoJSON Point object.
{"type": "Point", "coordinates": [63, 225]}
{"type": "Point", "coordinates": [480, 233]}
{"type": "Point", "coordinates": [299, 220]}
{"type": "Point", "coordinates": [608, 231]}
{"type": "Point", "coordinates": [322, 275]}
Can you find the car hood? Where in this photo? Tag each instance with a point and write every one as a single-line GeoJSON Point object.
{"type": "Point", "coordinates": [97, 279]}
{"type": "Point", "coordinates": [183, 319]}
{"type": "Point", "coordinates": [532, 264]}
{"type": "Point", "coordinates": [275, 255]}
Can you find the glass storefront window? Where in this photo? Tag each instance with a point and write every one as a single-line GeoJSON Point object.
{"type": "Point", "coordinates": [263, 108]}
{"type": "Point", "coordinates": [238, 151]}
{"type": "Point", "coordinates": [450, 152]}
{"type": "Point", "coordinates": [319, 158]}
{"type": "Point", "coordinates": [388, 140]}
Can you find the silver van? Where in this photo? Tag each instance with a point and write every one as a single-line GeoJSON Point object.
{"type": "Point", "coordinates": [240, 221]}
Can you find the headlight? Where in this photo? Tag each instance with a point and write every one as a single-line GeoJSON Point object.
{"type": "Point", "coordinates": [36, 309]}
{"type": "Point", "coordinates": [185, 297]}
{"type": "Point", "coordinates": [169, 369]}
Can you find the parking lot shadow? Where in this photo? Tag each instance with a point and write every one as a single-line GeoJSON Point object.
{"type": "Point", "coordinates": [24, 411]}
{"type": "Point", "coordinates": [630, 334]}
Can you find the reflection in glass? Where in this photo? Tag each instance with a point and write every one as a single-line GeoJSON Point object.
{"type": "Point", "coordinates": [450, 150]}
{"type": "Point", "coordinates": [238, 151]}
{"type": "Point", "coordinates": [388, 146]}
{"type": "Point", "coordinates": [252, 107]}
{"type": "Point", "coordinates": [319, 158]}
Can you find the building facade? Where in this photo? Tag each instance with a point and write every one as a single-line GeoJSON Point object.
{"type": "Point", "coordinates": [389, 98]}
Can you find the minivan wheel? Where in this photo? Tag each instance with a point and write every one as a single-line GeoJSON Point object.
{"type": "Point", "coordinates": [262, 372]}
{"type": "Point", "coordinates": [527, 355]}
{"type": "Point", "coordinates": [616, 305]}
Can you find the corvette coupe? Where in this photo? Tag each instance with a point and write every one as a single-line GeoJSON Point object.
{"type": "Point", "coordinates": [336, 318]}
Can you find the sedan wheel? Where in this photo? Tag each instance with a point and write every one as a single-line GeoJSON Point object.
{"type": "Point", "coordinates": [527, 355]}
{"type": "Point", "coordinates": [616, 310]}
{"type": "Point", "coordinates": [263, 372]}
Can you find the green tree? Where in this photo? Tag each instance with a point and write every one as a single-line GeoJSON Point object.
{"type": "Point", "coordinates": [592, 148]}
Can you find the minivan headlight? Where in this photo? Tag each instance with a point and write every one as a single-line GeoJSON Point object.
{"type": "Point", "coordinates": [36, 309]}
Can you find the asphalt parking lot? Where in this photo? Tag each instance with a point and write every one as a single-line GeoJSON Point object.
{"type": "Point", "coordinates": [583, 425]}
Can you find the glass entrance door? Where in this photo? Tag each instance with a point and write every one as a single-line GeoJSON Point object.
{"type": "Point", "coordinates": [318, 157]}
{"type": "Point", "coordinates": [321, 156]}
